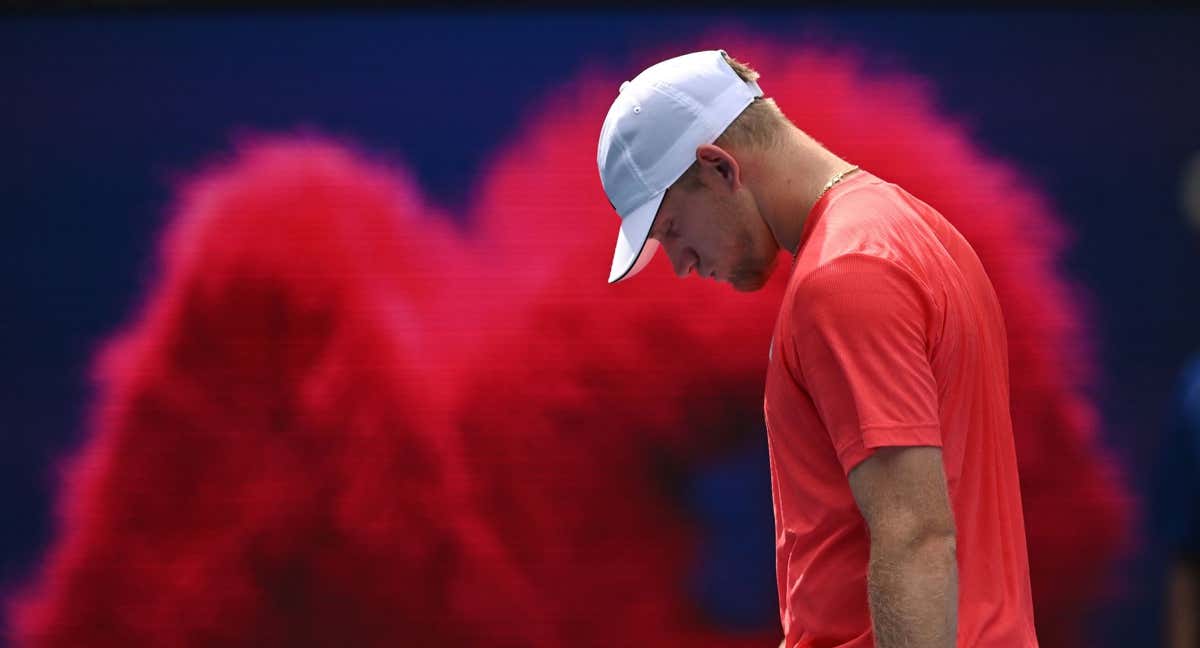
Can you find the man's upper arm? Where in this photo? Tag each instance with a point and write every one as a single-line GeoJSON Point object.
{"type": "Point", "coordinates": [902, 494]}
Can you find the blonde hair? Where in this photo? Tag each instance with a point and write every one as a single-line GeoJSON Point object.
{"type": "Point", "coordinates": [758, 127]}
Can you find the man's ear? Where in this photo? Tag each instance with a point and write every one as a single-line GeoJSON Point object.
{"type": "Point", "coordinates": [722, 165]}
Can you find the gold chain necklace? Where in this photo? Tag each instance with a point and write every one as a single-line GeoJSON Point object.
{"type": "Point", "coordinates": [832, 181]}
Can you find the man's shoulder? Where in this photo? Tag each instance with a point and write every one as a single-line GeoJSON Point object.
{"type": "Point", "coordinates": [870, 196]}
{"type": "Point", "coordinates": [872, 218]}
{"type": "Point", "coordinates": [850, 281]}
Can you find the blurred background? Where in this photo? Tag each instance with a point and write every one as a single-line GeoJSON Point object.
{"type": "Point", "coordinates": [106, 119]}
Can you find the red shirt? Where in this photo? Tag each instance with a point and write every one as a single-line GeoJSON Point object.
{"type": "Point", "coordinates": [890, 334]}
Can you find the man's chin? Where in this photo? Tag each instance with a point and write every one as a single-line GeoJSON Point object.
{"type": "Point", "coordinates": [750, 282]}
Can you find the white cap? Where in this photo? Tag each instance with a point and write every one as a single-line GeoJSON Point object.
{"type": "Point", "coordinates": [650, 136]}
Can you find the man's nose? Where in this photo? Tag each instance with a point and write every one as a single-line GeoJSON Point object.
{"type": "Point", "coordinates": [682, 261]}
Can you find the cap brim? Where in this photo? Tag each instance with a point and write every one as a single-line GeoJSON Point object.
{"type": "Point", "coordinates": [635, 248]}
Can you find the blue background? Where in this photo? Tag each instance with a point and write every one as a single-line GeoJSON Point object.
{"type": "Point", "coordinates": [98, 113]}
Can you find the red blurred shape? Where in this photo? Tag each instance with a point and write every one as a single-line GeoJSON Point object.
{"type": "Point", "coordinates": [270, 464]}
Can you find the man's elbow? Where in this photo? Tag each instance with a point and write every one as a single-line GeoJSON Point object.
{"type": "Point", "coordinates": [936, 543]}
{"type": "Point", "coordinates": [927, 556]}
{"type": "Point", "coordinates": [930, 538]}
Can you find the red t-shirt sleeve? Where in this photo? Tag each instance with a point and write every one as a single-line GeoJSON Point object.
{"type": "Point", "coordinates": [861, 332]}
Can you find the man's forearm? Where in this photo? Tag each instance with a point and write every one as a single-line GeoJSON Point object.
{"type": "Point", "coordinates": [913, 592]}
{"type": "Point", "coordinates": [1182, 604]}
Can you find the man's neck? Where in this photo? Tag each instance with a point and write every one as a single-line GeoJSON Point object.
{"type": "Point", "coordinates": [788, 180]}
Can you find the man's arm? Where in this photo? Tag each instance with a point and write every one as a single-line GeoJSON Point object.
{"type": "Point", "coordinates": [912, 577]}
{"type": "Point", "coordinates": [1183, 604]}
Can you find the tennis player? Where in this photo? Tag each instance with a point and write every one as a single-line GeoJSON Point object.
{"type": "Point", "coordinates": [894, 476]}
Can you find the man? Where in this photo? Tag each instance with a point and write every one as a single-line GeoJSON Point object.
{"type": "Point", "coordinates": [897, 508]}
{"type": "Point", "coordinates": [1175, 499]}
